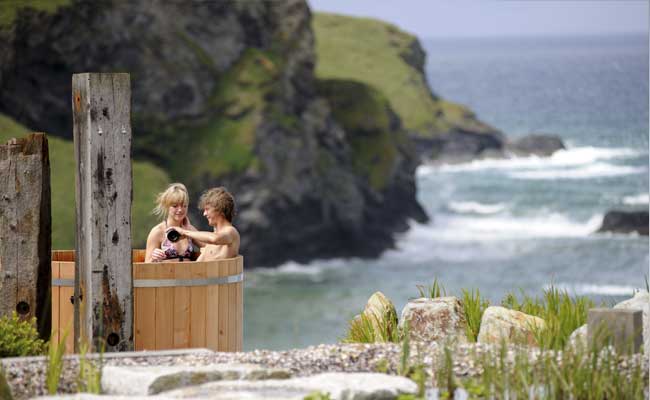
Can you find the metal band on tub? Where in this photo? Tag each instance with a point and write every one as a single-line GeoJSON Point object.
{"type": "Point", "coordinates": [153, 283]}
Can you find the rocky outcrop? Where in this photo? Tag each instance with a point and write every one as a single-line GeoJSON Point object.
{"type": "Point", "coordinates": [625, 222]}
{"type": "Point", "coordinates": [223, 93]}
{"type": "Point", "coordinates": [440, 319]}
{"type": "Point", "coordinates": [535, 144]}
{"type": "Point", "coordinates": [501, 324]}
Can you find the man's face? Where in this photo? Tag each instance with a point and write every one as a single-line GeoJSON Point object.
{"type": "Point", "coordinates": [211, 215]}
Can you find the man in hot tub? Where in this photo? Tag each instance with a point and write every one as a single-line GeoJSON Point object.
{"type": "Point", "coordinates": [218, 207]}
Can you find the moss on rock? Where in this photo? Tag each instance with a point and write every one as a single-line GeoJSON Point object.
{"type": "Point", "coordinates": [365, 114]}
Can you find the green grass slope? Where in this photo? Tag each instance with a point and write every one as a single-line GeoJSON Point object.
{"type": "Point", "coordinates": [9, 8]}
{"type": "Point", "coordinates": [148, 180]}
{"type": "Point", "coordinates": [373, 52]}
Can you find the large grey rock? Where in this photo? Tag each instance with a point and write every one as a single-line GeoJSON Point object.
{"type": "Point", "coordinates": [340, 386]}
{"type": "Point", "coordinates": [499, 324]}
{"type": "Point", "coordinates": [625, 222]}
{"type": "Point", "coordinates": [147, 380]}
{"type": "Point", "coordinates": [640, 301]}
{"type": "Point", "coordinates": [536, 144]}
{"type": "Point", "coordinates": [439, 319]}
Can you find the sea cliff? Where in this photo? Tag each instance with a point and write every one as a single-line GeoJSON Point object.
{"type": "Point", "coordinates": [238, 94]}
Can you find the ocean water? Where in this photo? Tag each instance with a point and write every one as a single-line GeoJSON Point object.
{"type": "Point", "coordinates": [499, 225]}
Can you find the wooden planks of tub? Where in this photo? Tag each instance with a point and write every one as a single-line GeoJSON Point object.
{"type": "Point", "coordinates": [176, 304]}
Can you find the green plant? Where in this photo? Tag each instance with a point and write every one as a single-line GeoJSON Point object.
{"type": "Point", "coordinates": [474, 307]}
{"type": "Point", "coordinates": [561, 313]}
{"type": "Point", "coordinates": [435, 290]}
{"type": "Point", "coordinates": [406, 352]}
{"type": "Point", "coordinates": [368, 328]}
{"type": "Point", "coordinates": [90, 375]}
{"type": "Point", "coordinates": [382, 366]}
{"type": "Point", "coordinates": [55, 363]}
{"type": "Point", "coordinates": [5, 391]}
{"type": "Point", "coordinates": [19, 338]}
{"type": "Point", "coordinates": [317, 396]}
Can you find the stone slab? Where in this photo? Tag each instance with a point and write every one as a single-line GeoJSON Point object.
{"type": "Point", "coordinates": [148, 380]}
{"type": "Point", "coordinates": [339, 386]}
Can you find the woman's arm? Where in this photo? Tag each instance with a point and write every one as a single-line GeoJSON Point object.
{"type": "Point", "coordinates": [154, 253]}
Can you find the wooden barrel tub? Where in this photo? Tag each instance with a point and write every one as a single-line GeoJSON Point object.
{"type": "Point", "coordinates": [176, 304]}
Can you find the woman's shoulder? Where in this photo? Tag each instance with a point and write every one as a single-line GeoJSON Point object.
{"type": "Point", "coordinates": [158, 229]}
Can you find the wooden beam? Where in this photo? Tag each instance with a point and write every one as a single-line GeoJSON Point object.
{"type": "Point", "coordinates": [101, 110]}
{"type": "Point", "coordinates": [25, 230]}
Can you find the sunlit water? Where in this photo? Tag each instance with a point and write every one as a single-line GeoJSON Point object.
{"type": "Point", "coordinates": [500, 225]}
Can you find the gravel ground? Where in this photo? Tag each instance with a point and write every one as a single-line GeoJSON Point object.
{"type": "Point", "coordinates": [27, 376]}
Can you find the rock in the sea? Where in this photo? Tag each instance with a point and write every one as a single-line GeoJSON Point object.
{"type": "Point", "coordinates": [536, 144]}
{"type": "Point", "coordinates": [381, 309]}
{"type": "Point", "coordinates": [500, 323]}
{"type": "Point", "coordinates": [439, 319]}
{"type": "Point", "coordinates": [640, 301]}
{"type": "Point", "coordinates": [625, 222]}
{"type": "Point", "coordinates": [143, 381]}
{"type": "Point", "coordinates": [343, 386]}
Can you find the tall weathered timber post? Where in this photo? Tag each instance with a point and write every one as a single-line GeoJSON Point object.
{"type": "Point", "coordinates": [25, 230]}
{"type": "Point", "coordinates": [101, 110]}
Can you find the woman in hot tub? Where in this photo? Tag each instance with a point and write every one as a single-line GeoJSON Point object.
{"type": "Point", "coordinates": [171, 206]}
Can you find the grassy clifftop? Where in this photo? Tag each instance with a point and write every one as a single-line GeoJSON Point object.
{"type": "Point", "coordinates": [381, 55]}
{"type": "Point", "coordinates": [147, 182]}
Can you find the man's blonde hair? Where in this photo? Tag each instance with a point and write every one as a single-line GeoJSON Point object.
{"type": "Point", "coordinates": [221, 200]}
{"type": "Point", "coordinates": [176, 193]}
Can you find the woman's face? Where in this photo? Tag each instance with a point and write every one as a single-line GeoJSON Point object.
{"type": "Point", "coordinates": [177, 212]}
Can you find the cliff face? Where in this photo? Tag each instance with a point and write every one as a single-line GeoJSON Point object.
{"type": "Point", "coordinates": [393, 62]}
{"type": "Point", "coordinates": [224, 94]}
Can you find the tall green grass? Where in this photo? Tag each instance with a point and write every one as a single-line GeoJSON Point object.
{"type": "Point", "coordinates": [562, 314]}
{"type": "Point", "coordinates": [474, 306]}
{"type": "Point", "coordinates": [55, 363]}
{"type": "Point", "coordinates": [368, 328]}
{"type": "Point", "coordinates": [579, 373]}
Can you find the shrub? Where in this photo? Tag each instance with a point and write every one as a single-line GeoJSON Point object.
{"type": "Point", "coordinates": [19, 338]}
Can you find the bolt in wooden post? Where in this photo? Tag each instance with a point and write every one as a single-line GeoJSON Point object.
{"type": "Point", "coordinates": [25, 230]}
{"type": "Point", "coordinates": [101, 110]}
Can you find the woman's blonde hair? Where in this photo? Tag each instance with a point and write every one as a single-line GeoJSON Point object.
{"type": "Point", "coordinates": [176, 193]}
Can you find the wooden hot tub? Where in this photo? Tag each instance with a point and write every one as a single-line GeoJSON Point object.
{"type": "Point", "coordinates": [176, 304]}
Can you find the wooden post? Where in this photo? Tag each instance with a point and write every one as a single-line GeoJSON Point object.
{"type": "Point", "coordinates": [25, 230]}
{"type": "Point", "coordinates": [101, 110]}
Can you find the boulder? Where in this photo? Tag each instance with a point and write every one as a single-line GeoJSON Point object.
{"type": "Point", "coordinates": [148, 380]}
{"type": "Point", "coordinates": [439, 319]}
{"type": "Point", "coordinates": [380, 308]}
{"type": "Point", "coordinates": [344, 386]}
{"type": "Point", "coordinates": [536, 144]}
{"type": "Point", "coordinates": [625, 222]}
{"type": "Point", "coordinates": [500, 323]}
{"type": "Point", "coordinates": [578, 337]}
{"type": "Point", "coordinates": [640, 301]}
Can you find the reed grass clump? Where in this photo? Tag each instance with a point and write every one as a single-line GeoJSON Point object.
{"type": "Point", "coordinates": [474, 306]}
{"type": "Point", "coordinates": [55, 363]}
{"type": "Point", "coordinates": [562, 314]}
{"type": "Point", "coordinates": [369, 328]}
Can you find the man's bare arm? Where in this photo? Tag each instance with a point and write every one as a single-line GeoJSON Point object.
{"type": "Point", "coordinates": [226, 236]}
